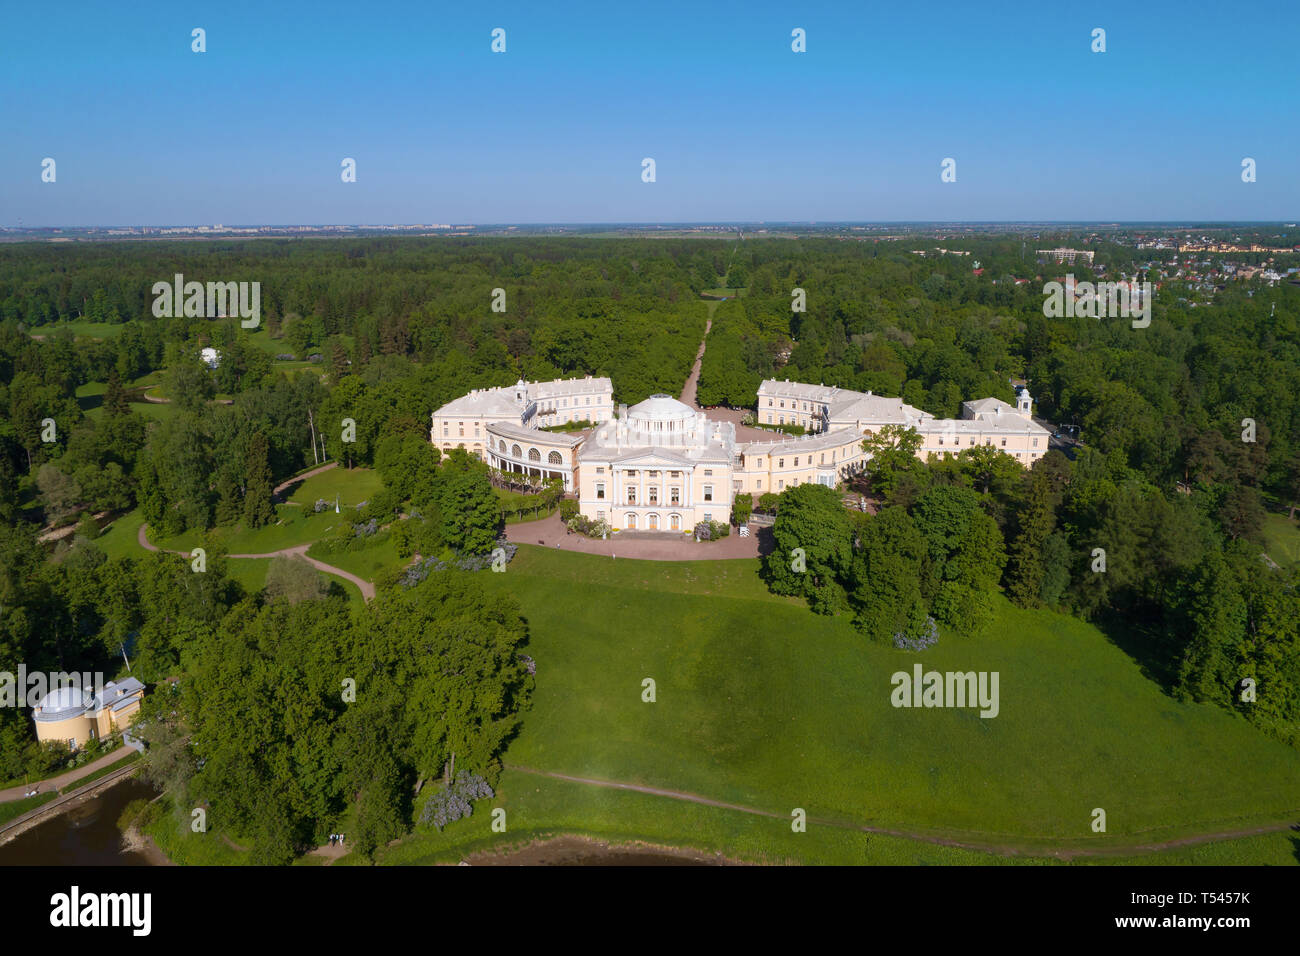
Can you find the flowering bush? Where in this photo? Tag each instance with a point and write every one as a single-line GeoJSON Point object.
{"type": "Point", "coordinates": [928, 638]}
{"type": "Point", "coordinates": [581, 524]}
{"type": "Point", "coordinates": [454, 802]}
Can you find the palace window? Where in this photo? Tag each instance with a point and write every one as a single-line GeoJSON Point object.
{"type": "Point", "coordinates": [600, 489]}
{"type": "Point", "coordinates": [759, 484]}
{"type": "Point", "coordinates": [631, 496]}
{"type": "Point", "coordinates": [1035, 442]}
{"type": "Point", "coordinates": [708, 492]}
{"type": "Point", "coordinates": [796, 461]}
{"type": "Point", "coordinates": [516, 451]}
{"type": "Point", "coordinates": [780, 484]}
{"type": "Point", "coordinates": [769, 403]}
{"type": "Point", "coordinates": [675, 495]}
{"type": "Point", "coordinates": [1004, 443]}
{"type": "Point", "coordinates": [462, 429]}
{"type": "Point", "coordinates": [534, 455]}
{"type": "Point", "coordinates": [780, 463]}
{"type": "Point", "coordinates": [555, 458]}
{"type": "Point", "coordinates": [708, 473]}
{"type": "Point", "coordinates": [600, 516]}
{"type": "Point", "coordinates": [972, 440]}
{"type": "Point", "coordinates": [600, 471]}
{"type": "Point", "coordinates": [654, 494]}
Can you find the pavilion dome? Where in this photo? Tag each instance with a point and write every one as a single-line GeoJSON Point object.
{"type": "Point", "coordinates": [660, 408]}
{"type": "Point", "coordinates": [64, 702]}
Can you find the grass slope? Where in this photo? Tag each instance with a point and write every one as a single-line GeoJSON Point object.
{"type": "Point", "coordinates": [763, 704]}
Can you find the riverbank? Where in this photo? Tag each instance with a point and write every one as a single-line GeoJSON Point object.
{"type": "Point", "coordinates": [79, 809]}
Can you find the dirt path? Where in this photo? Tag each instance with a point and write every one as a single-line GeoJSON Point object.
{"type": "Point", "coordinates": [367, 589]}
{"type": "Point", "coordinates": [1000, 849]}
{"type": "Point", "coordinates": [693, 380]}
{"type": "Point", "coordinates": [61, 781]}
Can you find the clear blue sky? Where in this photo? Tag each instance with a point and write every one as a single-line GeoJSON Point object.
{"type": "Point", "coordinates": [253, 131]}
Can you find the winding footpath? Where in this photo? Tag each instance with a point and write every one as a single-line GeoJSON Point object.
{"type": "Point", "coordinates": [365, 587]}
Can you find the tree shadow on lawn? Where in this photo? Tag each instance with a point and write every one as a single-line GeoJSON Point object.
{"type": "Point", "coordinates": [1143, 638]}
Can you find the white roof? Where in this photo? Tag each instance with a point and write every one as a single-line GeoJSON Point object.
{"type": "Point", "coordinates": [661, 408]}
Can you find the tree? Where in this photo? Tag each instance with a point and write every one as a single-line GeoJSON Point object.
{"type": "Point", "coordinates": [258, 509]}
{"type": "Point", "coordinates": [892, 452]}
{"type": "Point", "coordinates": [814, 548]}
{"type": "Point", "coordinates": [1036, 520]}
{"type": "Point", "coordinates": [966, 556]}
{"type": "Point", "coordinates": [60, 492]}
{"type": "Point", "coordinates": [467, 505]}
{"type": "Point", "coordinates": [292, 579]}
{"type": "Point", "coordinates": [887, 577]}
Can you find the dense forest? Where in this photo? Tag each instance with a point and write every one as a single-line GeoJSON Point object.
{"type": "Point", "coordinates": [382, 331]}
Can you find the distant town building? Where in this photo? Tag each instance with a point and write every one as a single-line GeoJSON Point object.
{"type": "Point", "coordinates": [1068, 256]}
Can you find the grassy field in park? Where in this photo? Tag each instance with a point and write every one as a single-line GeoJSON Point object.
{"type": "Point", "coordinates": [761, 703]}
{"type": "Point", "coordinates": [91, 399]}
{"type": "Point", "coordinates": [1282, 539]}
{"type": "Point", "coordinates": [350, 485]}
{"type": "Point", "coordinates": [367, 563]}
{"type": "Point", "coordinates": [121, 538]}
{"type": "Point", "coordinates": [294, 526]}
{"type": "Point", "coordinates": [251, 574]}
{"type": "Point", "coordinates": [538, 808]}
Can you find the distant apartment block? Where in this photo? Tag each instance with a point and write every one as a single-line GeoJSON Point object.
{"type": "Point", "coordinates": [1068, 256]}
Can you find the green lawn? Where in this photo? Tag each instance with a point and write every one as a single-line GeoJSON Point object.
{"type": "Point", "coordinates": [16, 808]}
{"type": "Point", "coordinates": [120, 539]}
{"type": "Point", "coordinates": [763, 704]}
{"type": "Point", "coordinates": [1282, 539]}
{"type": "Point", "coordinates": [295, 526]}
{"type": "Point", "coordinates": [91, 399]}
{"type": "Point", "coordinates": [351, 485]}
{"type": "Point", "coordinates": [367, 563]}
{"type": "Point", "coordinates": [538, 808]}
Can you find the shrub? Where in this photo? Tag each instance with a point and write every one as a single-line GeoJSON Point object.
{"type": "Point", "coordinates": [568, 510]}
{"type": "Point", "coordinates": [704, 531]}
{"type": "Point", "coordinates": [452, 803]}
{"type": "Point", "coordinates": [741, 508]}
{"type": "Point", "coordinates": [927, 638]}
{"type": "Point", "coordinates": [581, 524]}
{"type": "Point", "coordinates": [769, 502]}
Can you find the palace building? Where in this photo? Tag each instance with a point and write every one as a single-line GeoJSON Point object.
{"type": "Point", "coordinates": [662, 465]}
